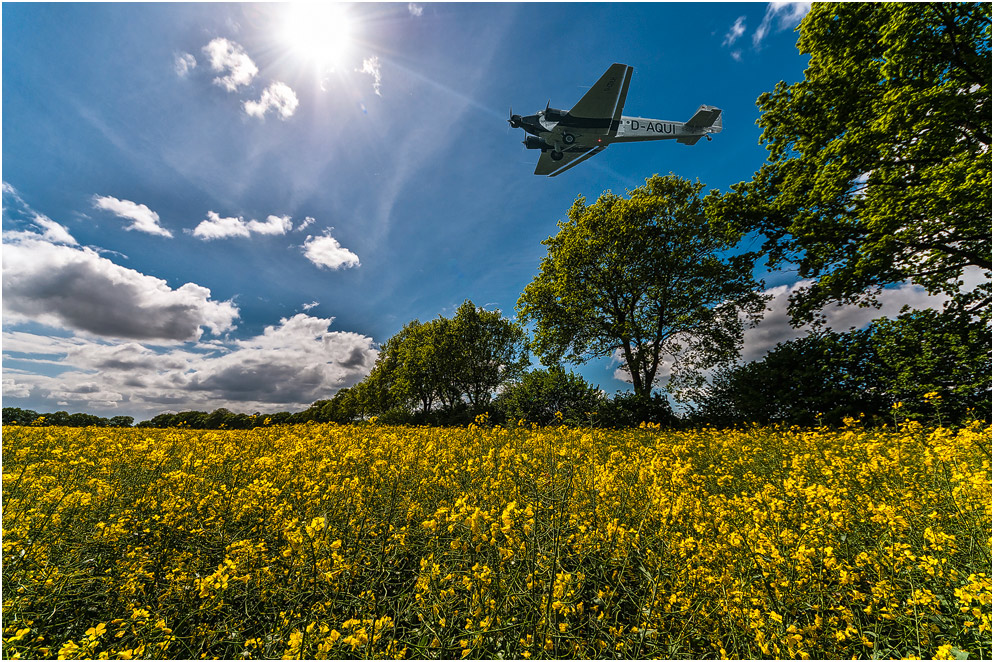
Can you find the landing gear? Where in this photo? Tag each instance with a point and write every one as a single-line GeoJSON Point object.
{"type": "Point", "coordinates": [556, 156]}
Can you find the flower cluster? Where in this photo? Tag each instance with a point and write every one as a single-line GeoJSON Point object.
{"type": "Point", "coordinates": [324, 541]}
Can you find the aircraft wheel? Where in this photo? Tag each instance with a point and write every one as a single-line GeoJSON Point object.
{"type": "Point", "coordinates": [569, 138]}
{"type": "Point", "coordinates": [556, 156]}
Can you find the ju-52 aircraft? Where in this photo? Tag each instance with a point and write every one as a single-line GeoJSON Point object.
{"type": "Point", "coordinates": [568, 138]}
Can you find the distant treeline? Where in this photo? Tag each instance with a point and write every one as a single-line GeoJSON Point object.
{"type": "Point", "coordinates": [17, 416]}
{"type": "Point", "coordinates": [921, 365]}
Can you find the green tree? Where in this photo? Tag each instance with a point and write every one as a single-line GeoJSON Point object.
{"type": "Point", "coordinates": [444, 363]}
{"type": "Point", "coordinates": [936, 366]}
{"type": "Point", "coordinates": [820, 378]}
{"type": "Point", "coordinates": [879, 167]}
{"type": "Point", "coordinates": [926, 353]}
{"type": "Point", "coordinates": [489, 351]}
{"type": "Point", "coordinates": [647, 276]}
{"type": "Point", "coordinates": [542, 394]}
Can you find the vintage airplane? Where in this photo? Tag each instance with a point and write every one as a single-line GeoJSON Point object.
{"type": "Point", "coordinates": [569, 138]}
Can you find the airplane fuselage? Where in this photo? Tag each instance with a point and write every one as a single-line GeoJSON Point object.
{"type": "Point", "coordinates": [629, 129]}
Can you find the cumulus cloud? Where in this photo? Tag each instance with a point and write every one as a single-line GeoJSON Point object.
{"type": "Point", "coordinates": [273, 225]}
{"type": "Point", "coordinates": [325, 251]}
{"type": "Point", "coordinates": [184, 63]}
{"type": "Point", "coordinates": [142, 218]}
{"type": "Point", "coordinates": [217, 227]}
{"type": "Point", "coordinates": [76, 288]}
{"type": "Point", "coordinates": [775, 325]}
{"type": "Point", "coordinates": [278, 97]}
{"type": "Point", "coordinates": [230, 59]}
{"type": "Point", "coordinates": [308, 220]}
{"type": "Point", "coordinates": [415, 9]}
{"type": "Point", "coordinates": [371, 66]}
{"type": "Point", "coordinates": [53, 232]}
{"type": "Point", "coordinates": [781, 16]}
{"type": "Point", "coordinates": [287, 366]}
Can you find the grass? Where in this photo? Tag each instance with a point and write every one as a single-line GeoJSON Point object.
{"type": "Point", "coordinates": [323, 541]}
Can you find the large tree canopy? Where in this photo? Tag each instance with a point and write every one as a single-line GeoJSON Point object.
{"type": "Point", "coordinates": [647, 276]}
{"type": "Point", "coordinates": [879, 165]}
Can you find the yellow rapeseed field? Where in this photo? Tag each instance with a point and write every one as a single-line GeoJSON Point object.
{"type": "Point", "coordinates": [324, 541]}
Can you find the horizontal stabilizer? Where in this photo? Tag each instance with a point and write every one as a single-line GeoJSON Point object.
{"type": "Point", "coordinates": [705, 117]}
{"type": "Point", "coordinates": [689, 140]}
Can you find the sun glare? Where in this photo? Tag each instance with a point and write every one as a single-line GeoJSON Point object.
{"type": "Point", "coordinates": [318, 32]}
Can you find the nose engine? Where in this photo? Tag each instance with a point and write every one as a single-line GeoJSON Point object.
{"type": "Point", "coordinates": [514, 120]}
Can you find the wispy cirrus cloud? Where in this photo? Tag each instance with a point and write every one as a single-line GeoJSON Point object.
{"type": "Point", "coordinates": [415, 9]}
{"type": "Point", "coordinates": [737, 30]}
{"type": "Point", "coordinates": [780, 16]}
{"type": "Point", "coordinates": [371, 67]}
{"type": "Point", "coordinates": [142, 218]}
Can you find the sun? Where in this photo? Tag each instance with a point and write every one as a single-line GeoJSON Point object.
{"type": "Point", "coordinates": [318, 32]}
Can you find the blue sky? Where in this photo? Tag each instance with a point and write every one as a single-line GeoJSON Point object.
{"type": "Point", "coordinates": [228, 205]}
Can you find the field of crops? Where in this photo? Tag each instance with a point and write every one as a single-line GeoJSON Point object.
{"type": "Point", "coordinates": [323, 541]}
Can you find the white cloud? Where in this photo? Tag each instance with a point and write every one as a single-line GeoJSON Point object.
{"type": "Point", "coordinates": [16, 209]}
{"type": "Point", "coordinates": [775, 326]}
{"type": "Point", "coordinates": [218, 227]}
{"type": "Point", "coordinates": [54, 232]}
{"type": "Point", "coordinates": [287, 366]}
{"type": "Point", "coordinates": [782, 16]}
{"type": "Point", "coordinates": [144, 219]}
{"type": "Point", "coordinates": [184, 63]}
{"type": "Point", "coordinates": [231, 59]}
{"type": "Point", "coordinates": [279, 97]}
{"type": "Point", "coordinates": [308, 220]}
{"type": "Point", "coordinates": [371, 66]}
{"type": "Point", "coordinates": [308, 306]}
{"type": "Point", "coordinates": [415, 9]}
{"type": "Point", "coordinates": [75, 288]}
{"type": "Point", "coordinates": [736, 31]}
{"type": "Point", "coordinates": [273, 225]}
{"type": "Point", "coordinates": [325, 251]}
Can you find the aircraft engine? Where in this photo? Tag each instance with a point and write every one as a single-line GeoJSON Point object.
{"type": "Point", "coordinates": [554, 114]}
{"type": "Point", "coordinates": [534, 142]}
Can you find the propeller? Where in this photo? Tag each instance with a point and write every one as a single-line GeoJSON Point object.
{"type": "Point", "coordinates": [513, 120]}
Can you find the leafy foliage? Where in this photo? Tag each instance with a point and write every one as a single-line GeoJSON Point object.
{"type": "Point", "coordinates": [18, 416]}
{"type": "Point", "coordinates": [452, 365]}
{"type": "Point", "coordinates": [922, 365]}
{"type": "Point", "coordinates": [549, 397]}
{"type": "Point", "coordinates": [645, 276]}
{"type": "Point", "coordinates": [879, 168]}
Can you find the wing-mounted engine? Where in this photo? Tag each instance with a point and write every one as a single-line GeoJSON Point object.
{"type": "Point", "coordinates": [533, 142]}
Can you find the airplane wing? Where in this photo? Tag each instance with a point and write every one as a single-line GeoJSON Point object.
{"type": "Point", "coordinates": [575, 156]}
{"type": "Point", "coordinates": [598, 112]}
